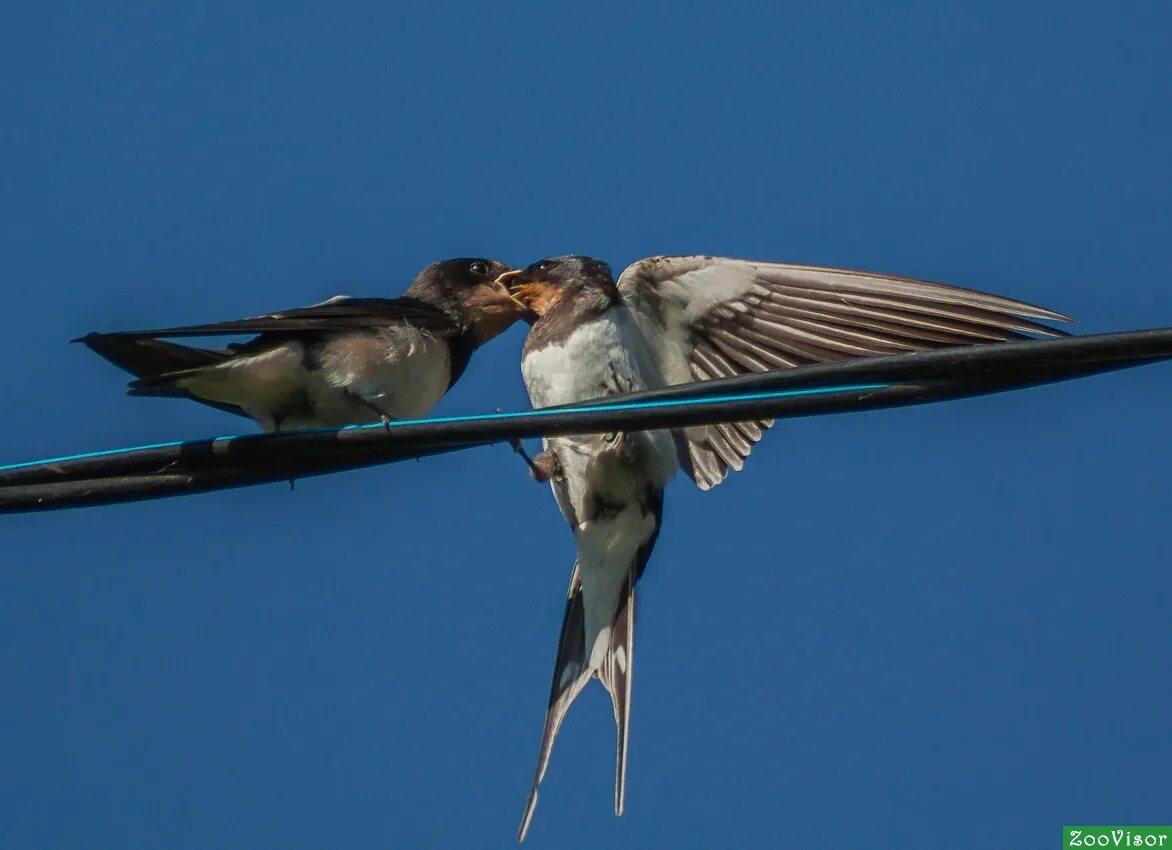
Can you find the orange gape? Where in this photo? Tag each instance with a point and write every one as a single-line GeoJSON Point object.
{"type": "Point", "coordinates": [537, 296]}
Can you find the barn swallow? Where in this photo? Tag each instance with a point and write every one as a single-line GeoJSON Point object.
{"type": "Point", "coordinates": [672, 320]}
{"type": "Point", "coordinates": [343, 361]}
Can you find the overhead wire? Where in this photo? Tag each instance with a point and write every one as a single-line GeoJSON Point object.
{"type": "Point", "coordinates": [204, 465]}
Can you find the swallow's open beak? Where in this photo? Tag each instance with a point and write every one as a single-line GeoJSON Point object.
{"type": "Point", "coordinates": [534, 296]}
{"type": "Point", "coordinates": [503, 280]}
{"type": "Point", "coordinates": [502, 283]}
{"type": "Point", "coordinates": [492, 308]}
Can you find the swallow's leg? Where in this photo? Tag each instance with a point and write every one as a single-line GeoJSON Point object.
{"type": "Point", "coordinates": [278, 420]}
{"type": "Point", "coordinates": [370, 405]}
{"type": "Point", "coordinates": [519, 448]}
{"type": "Point", "coordinates": [541, 468]}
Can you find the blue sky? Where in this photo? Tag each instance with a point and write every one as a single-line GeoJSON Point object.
{"type": "Point", "coordinates": [895, 626]}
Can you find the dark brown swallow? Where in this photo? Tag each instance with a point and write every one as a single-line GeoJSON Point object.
{"type": "Point", "coordinates": [344, 361]}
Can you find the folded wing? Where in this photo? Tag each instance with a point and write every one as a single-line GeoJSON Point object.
{"type": "Point", "coordinates": [338, 314]}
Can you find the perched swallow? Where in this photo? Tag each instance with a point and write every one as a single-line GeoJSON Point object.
{"type": "Point", "coordinates": [341, 362]}
{"type": "Point", "coordinates": [672, 320]}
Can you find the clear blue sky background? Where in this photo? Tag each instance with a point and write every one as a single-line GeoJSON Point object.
{"type": "Point", "coordinates": [949, 620]}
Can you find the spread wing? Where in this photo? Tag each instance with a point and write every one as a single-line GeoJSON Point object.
{"type": "Point", "coordinates": [337, 314]}
{"type": "Point", "coordinates": [711, 317]}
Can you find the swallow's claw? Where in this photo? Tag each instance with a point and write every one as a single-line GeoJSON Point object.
{"type": "Point", "coordinates": [545, 467]}
{"type": "Point", "coordinates": [621, 445]}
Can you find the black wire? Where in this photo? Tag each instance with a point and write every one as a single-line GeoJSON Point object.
{"type": "Point", "coordinates": [917, 378]}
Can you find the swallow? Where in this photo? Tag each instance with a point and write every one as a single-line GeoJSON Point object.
{"type": "Point", "coordinates": [341, 362]}
{"type": "Point", "coordinates": [673, 320]}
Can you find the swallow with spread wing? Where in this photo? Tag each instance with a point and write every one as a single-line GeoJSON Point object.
{"type": "Point", "coordinates": [344, 361]}
{"type": "Point", "coordinates": [672, 320]}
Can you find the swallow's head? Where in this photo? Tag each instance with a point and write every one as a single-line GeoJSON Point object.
{"type": "Point", "coordinates": [538, 287]}
{"type": "Point", "coordinates": [466, 288]}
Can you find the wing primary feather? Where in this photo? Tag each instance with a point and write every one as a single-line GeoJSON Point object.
{"type": "Point", "coordinates": [701, 464]}
{"type": "Point", "coordinates": [736, 441]}
{"type": "Point", "coordinates": [722, 367]}
{"type": "Point", "coordinates": [773, 333]}
{"type": "Point", "coordinates": [828, 336]}
{"type": "Point", "coordinates": [700, 370]}
{"type": "Point", "coordinates": [844, 280]}
{"type": "Point", "coordinates": [946, 309]}
{"type": "Point", "coordinates": [744, 351]}
{"type": "Point", "coordinates": [857, 333]}
{"type": "Point", "coordinates": [709, 470]}
{"type": "Point", "coordinates": [734, 353]}
{"type": "Point", "coordinates": [713, 363]}
{"type": "Point", "coordinates": [779, 305]}
{"type": "Point", "coordinates": [806, 352]}
{"type": "Point", "coordinates": [751, 430]}
{"type": "Point", "coordinates": [910, 327]}
{"type": "Point", "coordinates": [717, 436]}
{"type": "Point", "coordinates": [723, 450]}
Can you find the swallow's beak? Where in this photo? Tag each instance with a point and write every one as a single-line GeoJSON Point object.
{"type": "Point", "coordinates": [535, 296]}
{"type": "Point", "coordinates": [492, 308]}
{"type": "Point", "coordinates": [504, 282]}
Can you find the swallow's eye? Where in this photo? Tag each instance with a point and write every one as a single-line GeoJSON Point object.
{"type": "Point", "coordinates": [543, 266]}
{"type": "Point", "coordinates": [479, 268]}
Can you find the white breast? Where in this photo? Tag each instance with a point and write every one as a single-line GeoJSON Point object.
{"type": "Point", "coordinates": [599, 358]}
{"type": "Point", "coordinates": [588, 363]}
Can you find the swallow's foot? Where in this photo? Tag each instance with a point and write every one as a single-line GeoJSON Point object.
{"type": "Point", "coordinates": [621, 446]}
{"type": "Point", "coordinates": [546, 467]}
{"type": "Point", "coordinates": [373, 408]}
